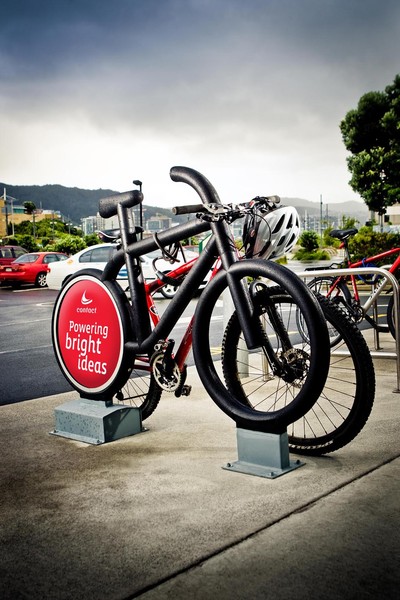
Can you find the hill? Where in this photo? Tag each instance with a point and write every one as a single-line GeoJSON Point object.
{"type": "Point", "coordinates": [76, 203]}
{"type": "Point", "coordinates": [73, 203]}
{"type": "Point", "coordinates": [335, 211]}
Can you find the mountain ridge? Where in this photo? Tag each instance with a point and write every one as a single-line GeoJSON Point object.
{"type": "Point", "coordinates": [76, 203]}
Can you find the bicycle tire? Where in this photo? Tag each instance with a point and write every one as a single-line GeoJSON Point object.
{"type": "Point", "coordinates": [346, 401]}
{"type": "Point", "coordinates": [390, 316]}
{"type": "Point", "coordinates": [341, 295]}
{"type": "Point", "coordinates": [312, 369]}
{"type": "Point", "coordinates": [141, 389]}
{"type": "Point", "coordinates": [321, 285]}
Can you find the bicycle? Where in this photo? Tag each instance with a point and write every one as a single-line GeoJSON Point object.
{"type": "Point", "coordinates": [91, 305]}
{"type": "Point", "coordinates": [338, 289]}
{"type": "Point", "coordinates": [346, 401]}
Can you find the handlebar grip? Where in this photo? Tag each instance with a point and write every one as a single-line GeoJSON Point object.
{"type": "Point", "coordinates": [198, 182]}
{"type": "Point", "coordinates": [108, 206]}
{"type": "Point", "coordinates": [188, 209]}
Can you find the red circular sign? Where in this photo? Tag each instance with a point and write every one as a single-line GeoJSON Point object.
{"type": "Point", "coordinates": [89, 335]}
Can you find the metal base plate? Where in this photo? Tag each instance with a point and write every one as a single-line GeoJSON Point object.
{"type": "Point", "coordinates": [262, 454]}
{"type": "Point", "coordinates": [95, 421]}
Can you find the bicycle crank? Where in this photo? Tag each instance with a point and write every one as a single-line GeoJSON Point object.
{"type": "Point", "coordinates": [165, 370]}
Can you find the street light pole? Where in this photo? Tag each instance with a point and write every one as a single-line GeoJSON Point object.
{"type": "Point", "coordinates": [320, 216]}
{"type": "Point", "coordinates": [139, 183]}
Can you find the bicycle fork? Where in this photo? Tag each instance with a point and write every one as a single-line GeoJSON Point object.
{"type": "Point", "coordinates": [291, 363]}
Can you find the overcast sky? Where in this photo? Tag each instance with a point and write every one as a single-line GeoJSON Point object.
{"type": "Point", "coordinates": [96, 93]}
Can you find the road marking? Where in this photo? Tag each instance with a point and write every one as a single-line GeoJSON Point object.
{"type": "Point", "coordinates": [34, 289]}
{"type": "Point", "coordinates": [23, 323]}
{"type": "Point", "coordinates": [25, 349]}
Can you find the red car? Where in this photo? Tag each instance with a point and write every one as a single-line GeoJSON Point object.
{"type": "Point", "coordinates": [29, 268]}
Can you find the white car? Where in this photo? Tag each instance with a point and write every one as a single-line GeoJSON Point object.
{"type": "Point", "coordinates": [96, 257]}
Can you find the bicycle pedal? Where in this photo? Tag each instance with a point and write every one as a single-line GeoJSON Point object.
{"type": "Point", "coordinates": [186, 389]}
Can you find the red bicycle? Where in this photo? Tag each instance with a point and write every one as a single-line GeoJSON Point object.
{"type": "Point", "coordinates": [343, 289]}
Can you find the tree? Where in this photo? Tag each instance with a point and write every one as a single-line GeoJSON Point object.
{"type": "Point", "coordinates": [371, 133]}
{"type": "Point", "coordinates": [29, 207]}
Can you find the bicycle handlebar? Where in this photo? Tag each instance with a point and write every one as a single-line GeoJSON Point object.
{"type": "Point", "coordinates": [188, 209]}
{"type": "Point", "coordinates": [198, 182]}
{"type": "Point", "coordinates": [108, 206]}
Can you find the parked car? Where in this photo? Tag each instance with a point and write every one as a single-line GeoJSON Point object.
{"type": "Point", "coordinates": [9, 253]}
{"type": "Point", "coordinates": [96, 257]}
{"type": "Point", "coordinates": [31, 267]}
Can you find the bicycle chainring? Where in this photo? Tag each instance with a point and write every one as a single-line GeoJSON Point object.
{"type": "Point", "coordinates": [166, 373]}
{"type": "Point", "coordinates": [357, 312]}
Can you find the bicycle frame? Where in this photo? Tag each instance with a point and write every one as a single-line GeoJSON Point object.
{"type": "Point", "coordinates": [221, 244]}
{"type": "Point", "coordinates": [154, 286]}
{"type": "Point", "coordinates": [375, 293]}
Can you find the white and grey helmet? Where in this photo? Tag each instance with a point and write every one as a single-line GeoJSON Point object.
{"type": "Point", "coordinates": [270, 234]}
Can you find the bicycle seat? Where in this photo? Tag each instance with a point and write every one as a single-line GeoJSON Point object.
{"type": "Point", "coordinates": [113, 235]}
{"type": "Point", "coordinates": [343, 234]}
{"type": "Point", "coordinates": [109, 235]}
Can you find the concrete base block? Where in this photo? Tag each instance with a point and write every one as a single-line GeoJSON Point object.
{"type": "Point", "coordinates": [262, 454]}
{"type": "Point", "coordinates": [95, 421]}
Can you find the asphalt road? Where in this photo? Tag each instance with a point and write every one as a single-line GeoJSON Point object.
{"type": "Point", "coordinates": [28, 368]}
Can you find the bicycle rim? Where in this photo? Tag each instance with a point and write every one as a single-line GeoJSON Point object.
{"type": "Point", "coordinates": [141, 390]}
{"type": "Point", "coordinates": [304, 372]}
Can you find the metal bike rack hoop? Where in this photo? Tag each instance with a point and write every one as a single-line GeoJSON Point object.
{"type": "Point", "coordinates": [373, 271]}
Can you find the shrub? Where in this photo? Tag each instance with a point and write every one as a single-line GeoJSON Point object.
{"type": "Point", "coordinates": [70, 244]}
{"type": "Point", "coordinates": [303, 254]}
{"type": "Point", "coordinates": [309, 240]}
{"type": "Point", "coordinates": [367, 243]}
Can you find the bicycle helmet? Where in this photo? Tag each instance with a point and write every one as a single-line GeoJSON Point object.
{"type": "Point", "coordinates": [270, 234]}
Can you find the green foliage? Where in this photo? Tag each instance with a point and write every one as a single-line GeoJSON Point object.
{"type": "Point", "coordinates": [367, 243]}
{"type": "Point", "coordinates": [282, 261]}
{"type": "Point", "coordinates": [328, 240]}
{"type": "Point", "coordinates": [371, 133]}
{"type": "Point", "coordinates": [29, 207]}
{"type": "Point", "coordinates": [70, 244]}
{"type": "Point", "coordinates": [92, 239]}
{"type": "Point", "coordinates": [28, 242]}
{"type": "Point", "coordinates": [24, 228]}
{"type": "Point", "coordinates": [309, 240]}
{"type": "Point", "coordinates": [303, 254]}
{"type": "Point", "coordinates": [348, 222]}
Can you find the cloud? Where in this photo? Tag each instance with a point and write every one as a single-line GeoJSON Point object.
{"type": "Point", "coordinates": [230, 85]}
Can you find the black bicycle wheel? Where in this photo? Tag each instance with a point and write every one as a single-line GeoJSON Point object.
{"type": "Point", "coordinates": [390, 316]}
{"type": "Point", "coordinates": [303, 372]}
{"type": "Point", "coordinates": [340, 295]}
{"type": "Point", "coordinates": [141, 390]}
{"type": "Point", "coordinates": [346, 400]}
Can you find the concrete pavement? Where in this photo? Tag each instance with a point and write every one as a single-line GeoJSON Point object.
{"type": "Point", "coordinates": [155, 516]}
